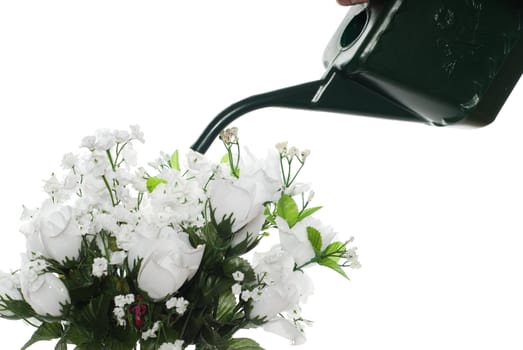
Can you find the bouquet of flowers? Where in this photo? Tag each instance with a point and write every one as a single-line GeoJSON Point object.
{"type": "Point", "coordinates": [120, 257]}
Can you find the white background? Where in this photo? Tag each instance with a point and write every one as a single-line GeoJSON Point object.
{"type": "Point", "coordinates": [436, 212]}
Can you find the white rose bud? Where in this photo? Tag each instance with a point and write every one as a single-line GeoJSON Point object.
{"type": "Point", "coordinates": [286, 287]}
{"type": "Point", "coordinates": [286, 329]}
{"type": "Point", "coordinates": [9, 285]}
{"type": "Point", "coordinates": [232, 197]}
{"type": "Point", "coordinates": [55, 233]}
{"type": "Point", "coordinates": [45, 293]}
{"type": "Point", "coordinates": [296, 242]}
{"type": "Point", "coordinates": [245, 197]}
{"type": "Point", "coordinates": [167, 264]}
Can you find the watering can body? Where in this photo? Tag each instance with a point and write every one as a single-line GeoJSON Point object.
{"type": "Point", "coordinates": [443, 61]}
{"type": "Point", "coordinates": [437, 61]}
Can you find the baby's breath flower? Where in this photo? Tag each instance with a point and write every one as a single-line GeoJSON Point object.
{"type": "Point", "coordinates": [246, 295]}
{"type": "Point", "coordinates": [229, 136]}
{"type": "Point", "coordinates": [37, 265]}
{"type": "Point", "coordinates": [120, 301]}
{"type": "Point", "coordinates": [69, 161]}
{"type": "Point", "coordinates": [121, 136]}
{"type": "Point", "coordinates": [99, 267]}
{"type": "Point", "coordinates": [238, 276]}
{"type": "Point", "coordinates": [118, 312]}
{"type": "Point", "coordinates": [305, 154]}
{"type": "Point", "coordinates": [352, 258]}
{"type": "Point", "coordinates": [104, 140]}
{"type": "Point", "coordinates": [119, 315]}
{"type": "Point", "coordinates": [282, 147]}
{"type": "Point", "coordinates": [129, 299]}
{"type": "Point", "coordinates": [151, 333]}
{"type": "Point", "coordinates": [177, 345]}
{"type": "Point", "coordinates": [293, 151]}
{"type": "Point", "coordinates": [136, 133]}
{"type": "Point", "coordinates": [236, 289]}
{"type": "Point", "coordinates": [180, 304]}
{"type": "Point", "coordinates": [88, 142]}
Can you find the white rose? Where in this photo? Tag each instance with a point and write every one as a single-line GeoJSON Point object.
{"type": "Point", "coordinates": [296, 242]}
{"type": "Point", "coordinates": [286, 329]}
{"type": "Point", "coordinates": [167, 263]}
{"type": "Point", "coordinates": [55, 233]}
{"type": "Point", "coordinates": [45, 293]}
{"type": "Point", "coordinates": [276, 265]}
{"type": "Point", "coordinates": [9, 288]}
{"type": "Point", "coordinates": [286, 287]}
{"type": "Point", "coordinates": [282, 296]}
{"type": "Point", "coordinates": [245, 197]}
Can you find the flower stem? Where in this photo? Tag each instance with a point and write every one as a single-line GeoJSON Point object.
{"type": "Point", "coordinates": [110, 156]}
{"type": "Point", "coordinates": [110, 190]}
{"type": "Point", "coordinates": [311, 261]}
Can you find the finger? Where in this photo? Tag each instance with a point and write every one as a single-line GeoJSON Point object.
{"type": "Point", "coordinates": [350, 2]}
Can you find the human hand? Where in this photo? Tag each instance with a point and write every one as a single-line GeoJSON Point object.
{"type": "Point", "coordinates": [350, 2]}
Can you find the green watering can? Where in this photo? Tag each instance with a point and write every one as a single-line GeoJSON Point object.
{"type": "Point", "coordinates": [437, 61]}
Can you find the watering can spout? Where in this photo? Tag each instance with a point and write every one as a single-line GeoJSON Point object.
{"type": "Point", "coordinates": [440, 62]}
{"type": "Point", "coordinates": [331, 94]}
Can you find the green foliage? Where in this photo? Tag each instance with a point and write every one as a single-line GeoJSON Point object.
{"type": "Point", "coordinates": [314, 237]}
{"type": "Point", "coordinates": [61, 345]}
{"type": "Point", "coordinates": [307, 212]}
{"type": "Point", "coordinates": [333, 265]}
{"type": "Point", "coordinates": [94, 316]}
{"type": "Point", "coordinates": [174, 162]}
{"type": "Point", "coordinates": [334, 250]}
{"type": "Point", "coordinates": [269, 216]}
{"type": "Point", "coordinates": [226, 306]}
{"type": "Point", "coordinates": [47, 331]}
{"type": "Point", "coordinates": [225, 159]}
{"type": "Point", "coordinates": [235, 263]}
{"type": "Point", "coordinates": [153, 182]}
{"type": "Point", "coordinates": [288, 210]}
{"type": "Point", "coordinates": [244, 344]}
{"type": "Point", "coordinates": [19, 309]}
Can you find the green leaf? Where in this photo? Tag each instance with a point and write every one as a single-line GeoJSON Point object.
{"type": "Point", "coordinates": [153, 182]}
{"type": "Point", "coordinates": [333, 265]}
{"type": "Point", "coordinates": [16, 309]}
{"type": "Point", "coordinates": [268, 215]}
{"type": "Point", "coordinates": [315, 239]}
{"type": "Point", "coordinates": [335, 248]}
{"type": "Point", "coordinates": [226, 305]}
{"type": "Point", "coordinates": [174, 162]}
{"type": "Point", "coordinates": [75, 334]}
{"type": "Point", "coordinates": [288, 210]}
{"type": "Point", "coordinates": [225, 159]}
{"type": "Point", "coordinates": [95, 316]}
{"type": "Point", "coordinates": [244, 344]}
{"type": "Point", "coordinates": [308, 212]}
{"type": "Point", "coordinates": [47, 331]}
{"type": "Point", "coordinates": [61, 345]}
